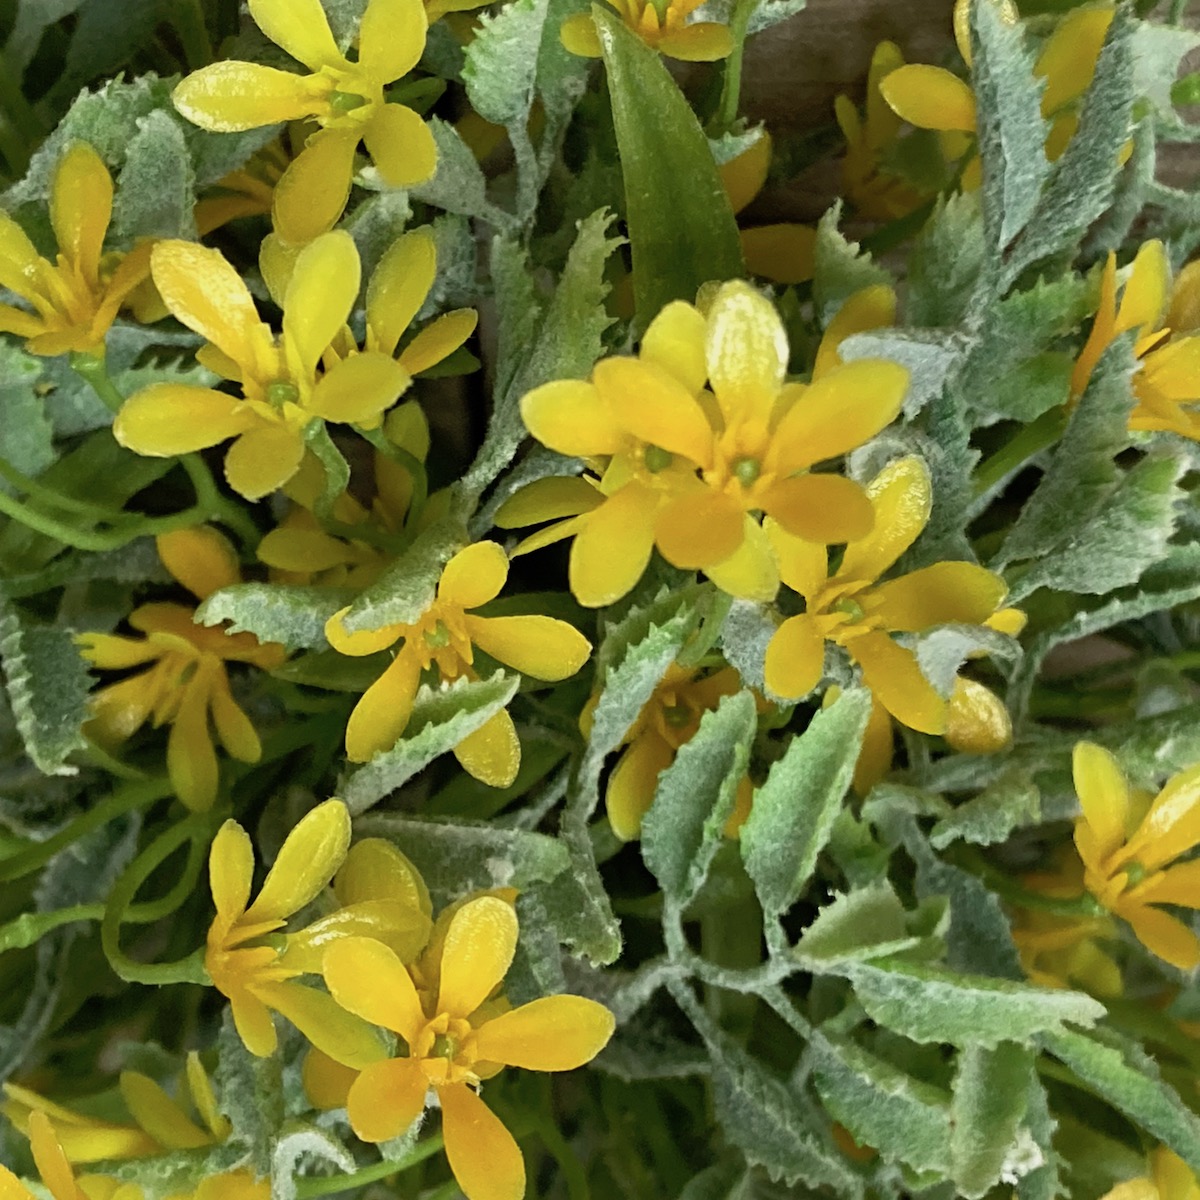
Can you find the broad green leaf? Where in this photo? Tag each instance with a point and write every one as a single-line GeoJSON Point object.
{"type": "Point", "coordinates": [1132, 1087]}
{"type": "Point", "coordinates": [695, 795]}
{"type": "Point", "coordinates": [840, 267]}
{"type": "Point", "coordinates": [794, 810]}
{"type": "Point", "coordinates": [440, 720]}
{"type": "Point", "coordinates": [459, 185]}
{"type": "Point", "coordinates": [1032, 387]}
{"type": "Point", "coordinates": [26, 435]}
{"type": "Point", "coordinates": [1012, 802]}
{"type": "Point", "coordinates": [157, 190]}
{"type": "Point", "coordinates": [681, 230]}
{"type": "Point", "coordinates": [869, 922]}
{"type": "Point", "coordinates": [946, 262]}
{"type": "Point", "coordinates": [991, 1093]}
{"type": "Point", "coordinates": [292, 616]}
{"type": "Point", "coordinates": [905, 1119]}
{"type": "Point", "coordinates": [932, 1004]}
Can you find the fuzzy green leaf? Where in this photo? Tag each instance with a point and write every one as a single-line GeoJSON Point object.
{"type": "Point", "coordinates": [26, 435]}
{"type": "Point", "coordinates": [158, 186]}
{"type": "Point", "coordinates": [292, 616]}
{"type": "Point", "coordinates": [991, 1093]}
{"type": "Point", "coordinates": [459, 185]}
{"type": "Point", "coordinates": [869, 922]}
{"type": "Point", "coordinates": [1012, 802]}
{"type": "Point", "coordinates": [946, 262]}
{"type": "Point", "coordinates": [840, 267]}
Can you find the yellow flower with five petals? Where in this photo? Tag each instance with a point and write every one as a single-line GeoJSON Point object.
{"type": "Point", "coordinates": [1126, 840]}
{"type": "Point", "coordinates": [852, 609]}
{"type": "Point", "coordinates": [185, 683]}
{"type": "Point", "coordinates": [444, 638]}
{"type": "Point", "coordinates": [662, 24]}
{"type": "Point", "coordinates": [380, 896]}
{"type": "Point", "coordinates": [452, 1044]}
{"type": "Point", "coordinates": [75, 299]}
{"type": "Point", "coordinates": [283, 389]}
{"type": "Point", "coordinates": [345, 97]}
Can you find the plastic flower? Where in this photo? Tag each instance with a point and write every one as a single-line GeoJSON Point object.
{"type": "Point", "coordinates": [445, 638]}
{"type": "Point", "coordinates": [346, 98]}
{"type": "Point", "coordinates": [668, 719]}
{"type": "Point", "coordinates": [75, 299]}
{"type": "Point", "coordinates": [663, 27]}
{"type": "Point", "coordinates": [256, 967]}
{"type": "Point", "coordinates": [56, 1173]}
{"type": "Point", "coordinates": [852, 609]}
{"type": "Point", "coordinates": [453, 1042]}
{"type": "Point", "coordinates": [1126, 841]}
{"type": "Point", "coordinates": [283, 390]}
{"type": "Point", "coordinates": [689, 471]}
{"type": "Point", "coordinates": [1167, 383]}
{"type": "Point", "coordinates": [185, 683]}
{"type": "Point", "coordinates": [1170, 1178]}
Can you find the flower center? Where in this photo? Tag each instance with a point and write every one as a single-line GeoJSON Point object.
{"type": "Point", "coordinates": [282, 391]}
{"type": "Point", "coordinates": [438, 637]}
{"type": "Point", "coordinates": [677, 715]}
{"type": "Point", "coordinates": [657, 459]}
{"type": "Point", "coordinates": [851, 608]}
{"type": "Point", "coordinates": [341, 103]}
{"type": "Point", "coordinates": [746, 470]}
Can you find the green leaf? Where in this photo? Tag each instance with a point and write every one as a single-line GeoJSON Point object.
{"type": "Point", "coordinates": [1010, 130]}
{"type": "Point", "coordinates": [869, 922]}
{"type": "Point", "coordinates": [840, 267]}
{"type": "Point", "coordinates": [48, 684]}
{"type": "Point", "coordinates": [1012, 802]}
{"type": "Point", "coordinates": [1032, 387]}
{"type": "Point", "coordinates": [157, 189]}
{"type": "Point", "coordinates": [929, 357]}
{"type": "Point", "coordinates": [334, 467]}
{"type": "Point", "coordinates": [459, 185]}
{"type": "Point", "coordinates": [292, 616]}
{"type": "Point", "coordinates": [440, 720]}
{"type": "Point", "coordinates": [932, 1004]}
{"type": "Point", "coordinates": [793, 812]}
{"type": "Point", "coordinates": [1132, 1087]}
{"type": "Point", "coordinates": [991, 1093]}
{"type": "Point", "coordinates": [301, 1142]}
{"type": "Point", "coordinates": [695, 795]}
{"type": "Point", "coordinates": [905, 1119]}
{"type": "Point", "coordinates": [946, 262]}
{"type": "Point", "coordinates": [26, 435]}
{"type": "Point", "coordinates": [681, 230]}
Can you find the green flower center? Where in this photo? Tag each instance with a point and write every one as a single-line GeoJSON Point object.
{"type": "Point", "coordinates": [281, 392]}
{"type": "Point", "coordinates": [657, 459]}
{"type": "Point", "coordinates": [444, 1046]}
{"type": "Point", "coordinates": [341, 103]}
{"type": "Point", "coordinates": [677, 715]}
{"type": "Point", "coordinates": [747, 470]}
{"type": "Point", "coordinates": [437, 637]}
{"type": "Point", "coordinates": [1134, 873]}
{"type": "Point", "coordinates": [851, 608]}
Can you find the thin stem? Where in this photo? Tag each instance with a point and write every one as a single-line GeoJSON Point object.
{"type": "Point", "coordinates": [331, 1185]}
{"type": "Point", "coordinates": [39, 491]}
{"type": "Point", "coordinates": [731, 88]}
{"type": "Point", "coordinates": [80, 539]}
{"type": "Point", "coordinates": [220, 507]}
{"type": "Point", "coordinates": [1031, 441]}
{"type": "Point", "coordinates": [92, 368]}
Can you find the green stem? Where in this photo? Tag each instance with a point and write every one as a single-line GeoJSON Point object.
{"type": "Point", "coordinates": [39, 491]}
{"type": "Point", "coordinates": [69, 535]}
{"type": "Point", "coordinates": [1176, 14]}
{"type": "Point", "coordinates": [731, 88]}
{"type": "Point", "coordinates": [127, 798]}
{"type": "Point", "coordinates": [220, 507]}
{"type": "Point", "coordinates": [92, 368]}
{"type": "Point", "coordinates": [331, 1185]}
{"type": "Point", "coordinates": [1031, 441]}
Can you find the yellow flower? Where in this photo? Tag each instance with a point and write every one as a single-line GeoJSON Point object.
{"type": "Point", "coordinates": [1126, 840]}
{"type": "Point", "coordinates": [283, 390]}
{"type": "Point", "coordinates": [75, 299]}
{"type": "Point", "coordinates": [453, 1042]}
{"type": "Point", "coordinates": [668, 719]}
{"type": "Point", "coordinates": [933, 98]}
{"type": "Point", "coordinates": [782, 253]}
{"type": "Point", "coordinates": [444, 638]}
{"type": "Point", "coordinates": [1170, 1178]}
{"type": "Point", "coordinates": [661, 24]}
{"type": "Point", "coordinates": [380, 896]}
{"type": "Point", "coordinates": [56, 1173]}
{"type": "Point", "coordinates": [1167, 384]}
{"type": "Point", "coordinates": [346, 98]}
{"type": "Point", "coordinates": [688, 470]}
{"type": "Point", "coordinates": [852, 609]}
{"type": "Point", "coordinates": [185, 684]}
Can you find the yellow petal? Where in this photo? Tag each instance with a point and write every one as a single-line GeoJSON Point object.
{"type": "Point", "coordinates": [803, 565]}
{"type": "Point", "coordinates": [492, 754]}
{"type": "Point", "coordinates": [977, 721]}
{"type": "Point", "coordinates": [326, 1083]}
{"type": "Point", "coordinates": [16, 320]}
{"type": "Point", "coordinates": [361, 642]}
{"type": "Point", "coordinates": [895, 679]}
{"type": "Point", "coordinates": [391, 38]}
{"type": "Point", "coordinates": [301, 550]}
{"type": "Point", "coordinates": [310, 854]}
{"type": "Point", "coordinates": [702, 41]}
{"type": "Point", "coordinates": [846, 407]}
{"type": "Point", "coordinates": [112, 653]}
{"type": "Point", "coordinates": [871, 308]}
{"type": "Point", "coordinates": [570, 416]}
{"type": "Point", "coordinates": [359, 388]}
{"type": "Point", "coordinates": [485, 1160]}
{"type": "Point", "coordinates": [782, 253]}
{"type": "Point", "coordinates": [1103, 793]}
{"type": "Point", "coordinates": [1179, 884]}
{"type": "Point", "coordinates": [312, 193]}
{"type": "Point", "coordinates": [750, 572]}
{"type": "Point", "coordinates": [548, 500]}
{"type": "Point", "coordinates": [1172, 826]}
{"type": "Point", "coordinates": [698, 528]}
{"type": "Point", "coordinates": [439, 340]}
{"type": "Point", "coordinates": [380, 716]}
{"type": "Point", "coordinates": [746, 350]}
{"type": "Point", "coordinates": [20, 263]}
{"type": "Point", "coordinates": [930, 98]}
{"type": "Point", "coordinates": [578, 34]}
{"type": "Point", "coordinates": [795, 658]}
{"type": "Point", "coordinates": [159, 1115]}
{"type": "Point", "coordinates": [1164, 935]}
{"type": "Point", "coordinates": [367, 979]}
{"type": "Point", "coordinates": [938, 594]}
{"type": "Point", "coordinates": [319, 298]}
{"type": "Point", "coordinates": [255, 1027]}
{"type": "Point", "coordinates": [200, 558]}
{"type": "Point", "coordinates": [386, 1099]}
{"type": "Point", "coordinates": [51, 1163]}
{"type": "Point", "coordinates": [1004, 9]}
{"type": "Point", "coordinates": [166, 419]}
{"type": "Point", "coordinates": [399, 927]}
{"type": "Point", "coordinates": [1068, 59]}
{"type": "Point", "coordinates": [875, 757]}
{"type": "Point", "coordinates": [1171, 372]}
{"type": "Point", "coordinates": [650, 403]}
{"type": "Point", "coordinates": [227, 97]}
{"type": "Point", "coordinates": [674, 341]}
{"type": "Point", "coordinates": [612, 547]}
{"type": "Point", "coordinates": [399, 286]}
{"type": "Point", "coordinates": [300, 28]}
{"type": "Point", "coordinates": [743, 176]}
{"type": "Point", "coordinates": [345, 1038]}
{"type": "Point", "coordinates": [543, 647]}
{"type": "Point", "coordinates": [401, 144]}
{"type": "Point", "coordinates": [263, 460]}
{"type": "Point", "coordinates": [476, 954]}
{"type": "Point", "coordinates": [204, 1098]}
{"type": "Point", "coordinates": [556, 1033]}
{"type": "Point", "coordinates": [1184, 314]}
{"type": "Point", "coordinates": [81, 208]}
{"type": "Point", "coordinates": [474, 575]}
{"type": "Point", "coordinates": [375, 870]}
{"type": "Point", "coordinates": [820, 508]}
{"type": "Point", "coordinates": [903, 498]}
{"type": "Point", "coordinates": [632, 784]}
{"type": "Point", "coordinates": [233, 727]}
{"type": "Point", "coordinates": [230, 868]}
{"type": "Point", "coordinates": [1144, 299]}
{"type": "Point", "coordinates": [191, 759]}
